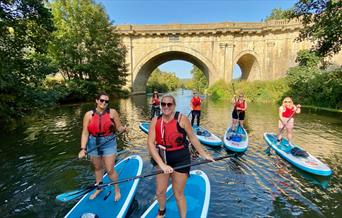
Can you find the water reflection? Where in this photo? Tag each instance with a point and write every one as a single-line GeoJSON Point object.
{"type": "Point", "coordinates": [38, 162]}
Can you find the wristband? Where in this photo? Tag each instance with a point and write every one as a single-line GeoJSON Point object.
{"type": "Point", "coordinates": [83, 149]}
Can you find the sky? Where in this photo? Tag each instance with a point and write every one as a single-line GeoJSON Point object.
{"type": "Point", "coordinates": [190, 12]}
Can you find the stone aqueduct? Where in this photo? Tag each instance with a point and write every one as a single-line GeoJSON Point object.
{"type": "Point", "coordinates": [263, 50]}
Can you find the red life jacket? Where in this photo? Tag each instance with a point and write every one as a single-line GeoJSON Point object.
{"type": "Point", "coordinates": [101, 124]}
{"type": "Point", "coordinates": [196, 101]}
{"type": "Point", "coordinates": [170, 135]}
{"type": "Point", "coordinates": [155, 101]}
{"type": "Point", "coordinates": [288, 112]}
{"type": "Point", "coordinates": [239, 104]}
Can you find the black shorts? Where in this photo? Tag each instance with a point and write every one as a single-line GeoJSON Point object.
{"type": "Point", "coordinates": [178, 158]}
{"type": "Point", "coordinates": [240, 116]}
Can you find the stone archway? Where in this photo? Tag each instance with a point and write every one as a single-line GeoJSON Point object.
{"type": "Point", "coordinates": [263, 50]}
{"type": "Point", "coordinates": [249, 65]}
{"type": "Point", "coordinates": [152, 60]}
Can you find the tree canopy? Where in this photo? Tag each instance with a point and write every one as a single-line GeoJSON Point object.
{"type": "Point", "coordinates": [322, 20]}
{"type": "Point", "coordinates": [278, 14]}
{"type": "Point", "coordinates": [25, 29]}
{"type": "Point", "coordinates": [85, 46]}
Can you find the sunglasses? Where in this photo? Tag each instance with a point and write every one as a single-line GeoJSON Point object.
{"type": "Point", "coordinates": [163, 104]}
{"type": "Point", "coordinates": [102, 100]}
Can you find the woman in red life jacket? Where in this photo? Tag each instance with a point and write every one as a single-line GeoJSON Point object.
{"type": "Point", "coordinates": [286, 117]}
{"type": "Point", "coordinates": [168, 147]}
{"type": "Point", "coordinates": [155, 102]}
{"type": "Point", "coordinates": [238, 114]}
{"type": "Point", "coordinates": [98, 129]}
{"type": "Point", "coordinates": [195, 105]}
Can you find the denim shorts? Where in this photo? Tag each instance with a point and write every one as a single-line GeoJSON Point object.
{"type": "Point", "coordinates": [107, 147]}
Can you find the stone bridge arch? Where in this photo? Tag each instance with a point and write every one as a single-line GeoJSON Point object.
{"type": "Point", "coordinates": [263, 50]}
{"type": "Point", "coordinates": [153, 59]}
{"type": "Point", "coordinates": [249, 65]}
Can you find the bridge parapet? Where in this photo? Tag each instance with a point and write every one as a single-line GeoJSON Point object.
{"type": "Point", "coordinates": [210, 29]}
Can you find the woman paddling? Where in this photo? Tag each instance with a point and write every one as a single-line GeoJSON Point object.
{"type": "Point", "coordinates": [168, 147]}
{"type": "Point", "coordinates": [155, 102]}
{"type": "Point", "coordinates": [238, 114]}
{"type": "Point", "coordinates": [195, 105]}
{"type": "Point", "coordinates": [98, 129]}
{"type": "Point", "coordinates": [286, 118]}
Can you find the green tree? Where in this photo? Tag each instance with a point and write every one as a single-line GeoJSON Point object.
{"type": "Point", "coordinates": [25, 29]}
{"type": "Point", "coordinates": [322, 20]}
{"type": "Point", "coordinates": [200, 81]}
{"type": "Point", "coordinates": [85, 45]}
{"type": "Point", "coordinates": [278, 14]}
{"type": "Point", "coordinates": [311, 85]}
{"type": "Point", "coordinates": [163, 81]}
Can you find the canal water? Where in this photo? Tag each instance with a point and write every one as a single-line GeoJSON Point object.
{"type": "Point", "coordinates": [38, 161]}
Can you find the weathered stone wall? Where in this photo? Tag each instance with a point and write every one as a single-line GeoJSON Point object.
{"type": "Point", "coordinates": [263, 50]}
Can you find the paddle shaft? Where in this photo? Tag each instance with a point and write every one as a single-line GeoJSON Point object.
{"type": "Point", "coordinates": [284, 125]}
{"type": "Point", "coordinates": [161, 171]}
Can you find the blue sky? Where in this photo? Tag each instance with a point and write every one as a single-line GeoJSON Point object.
{"type": "Point", "coordinates": [189, 11]}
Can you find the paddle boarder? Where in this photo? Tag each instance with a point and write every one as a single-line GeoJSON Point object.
{"type": "Point", "coordinates": [238, 114]}
{"type": "Point", "coordinates": [99, 126]}
{"type": "Point", "coordinates": [168, 147]}
{"type": "Point", "coordinates": [195, 105]}
{"type": "Point", "coordinates": [155, 104]}
{"type": "Point", "coordinates": [286, 118]}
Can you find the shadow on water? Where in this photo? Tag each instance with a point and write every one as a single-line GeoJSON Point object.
{"type": "Point", "coordinates": [37, 162]}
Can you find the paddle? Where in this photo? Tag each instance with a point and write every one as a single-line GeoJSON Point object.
{"type": "Point", "coordinates": [284, 125]}
{"type": "Point", "coordinates": [238, 112]}
{"type": "Point", "coordinates": [79, 193]}
{"type": "Point", "coordinates": [268, 149]}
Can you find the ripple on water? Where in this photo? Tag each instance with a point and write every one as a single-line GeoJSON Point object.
{"type": "Point", "coordinates": [43, 157]}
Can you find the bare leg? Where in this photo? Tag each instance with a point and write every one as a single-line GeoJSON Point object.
{"type": "Point", "coordinates": [109, 165]}
{"type": "Point", "coordinates": [178, 185]}
{"type": "Point", "coordinates": [97, 163]}
{"type": "Point", "coordinates": [162, 181]}
{"type": "Point", "coordinates": [241, 123]}
{"type": "Point", "coordinates": [235, 121]}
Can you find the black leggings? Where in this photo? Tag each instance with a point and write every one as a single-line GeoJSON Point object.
{"type": "Point", "coordinates": [178, 158]}
{"type": "Point", "coordinates": [195, 113]}
{"type": "Point", "coordinates": [155, 111]}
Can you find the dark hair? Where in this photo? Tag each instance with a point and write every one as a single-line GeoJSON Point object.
{"type": "Point", "coordinates": [100, 94]}
{"type": "Point", "coordinates": [155, 94]}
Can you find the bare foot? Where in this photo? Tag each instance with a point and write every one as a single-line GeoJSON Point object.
{"type": "Point", "coordinates": [117, 194]}
{"type": "Point", "coordinates": [93, 196]}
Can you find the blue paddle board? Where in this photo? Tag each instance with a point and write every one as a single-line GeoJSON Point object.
{"type": "Point", "coordinates": [206, 137]}
{"type": "Point", "coordinates": [144, 126]}
{"type": "Point", "coordinates": [104, 205]}
{"type": "Point", "coordinates": [309, 164]}
{"type": "Point", "coordinates": [197, 195]}
{"type": "Point", "coordinates": [236, 141]}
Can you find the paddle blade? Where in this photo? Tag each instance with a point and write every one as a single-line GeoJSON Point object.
{"type": "Point", "coordinates": [68, 196]}
{"type": "Point", "coordinates": [268, 151]}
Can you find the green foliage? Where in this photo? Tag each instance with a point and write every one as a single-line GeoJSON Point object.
{"type": "Point", "coordinates": [322, 20]}
{"type": "Point", "coordinates": [162, 81]}
{"type": "Point", "coordinates": [220, 90]}
{"type": "Point", "coordinates": [308, 58]}
{"type": "Point", "coordinates": [278, 14]}
{"type": "Point", "coordinates": [85, 46]}
{"type": "Point", "coordinates": [312, 86]}
{"type": "Point", "coordinates": [256, 91]}
{"type": "Point", "coordinates": [25, 29]}
{"type": "Point", "coordinates": [199, 80]}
